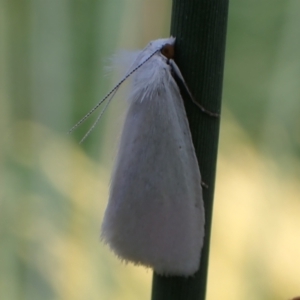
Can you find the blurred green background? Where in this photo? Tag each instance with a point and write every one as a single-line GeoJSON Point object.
{"type": "Point", "coordinates": [54, 191]}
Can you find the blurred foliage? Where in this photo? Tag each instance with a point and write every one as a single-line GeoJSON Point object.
{"type": "Point", "coordinates": [54, 191]}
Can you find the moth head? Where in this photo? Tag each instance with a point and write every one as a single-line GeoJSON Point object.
{"type": "Point", "coordinates": [166, 46]}
{"type": "Point", "coordinates": [168, 51]}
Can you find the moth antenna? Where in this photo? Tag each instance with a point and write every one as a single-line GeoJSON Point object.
{"type": "Point", "coordinates": [111, 92]}
{"type": "Point", "coordinates": [179, 75]}
{"type": "Point", "coordinates": [99, 117]}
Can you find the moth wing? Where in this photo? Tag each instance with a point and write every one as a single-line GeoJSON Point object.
{"type": "Point", "coordinates": [155, 213]}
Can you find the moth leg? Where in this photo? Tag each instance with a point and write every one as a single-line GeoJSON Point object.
{"type": "Point", "coordinates": [177, 72]}
{"type": "Point", "coordinates": [204, 185]}
{"type": "Point", "coordinates": [204, 110]}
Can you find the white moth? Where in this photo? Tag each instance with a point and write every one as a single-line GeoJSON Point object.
{"type": "Point", "coordinates": [155, 213]}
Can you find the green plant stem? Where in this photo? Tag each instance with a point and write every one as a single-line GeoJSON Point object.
{"type": "Point", "coordinates": [200, 30]}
